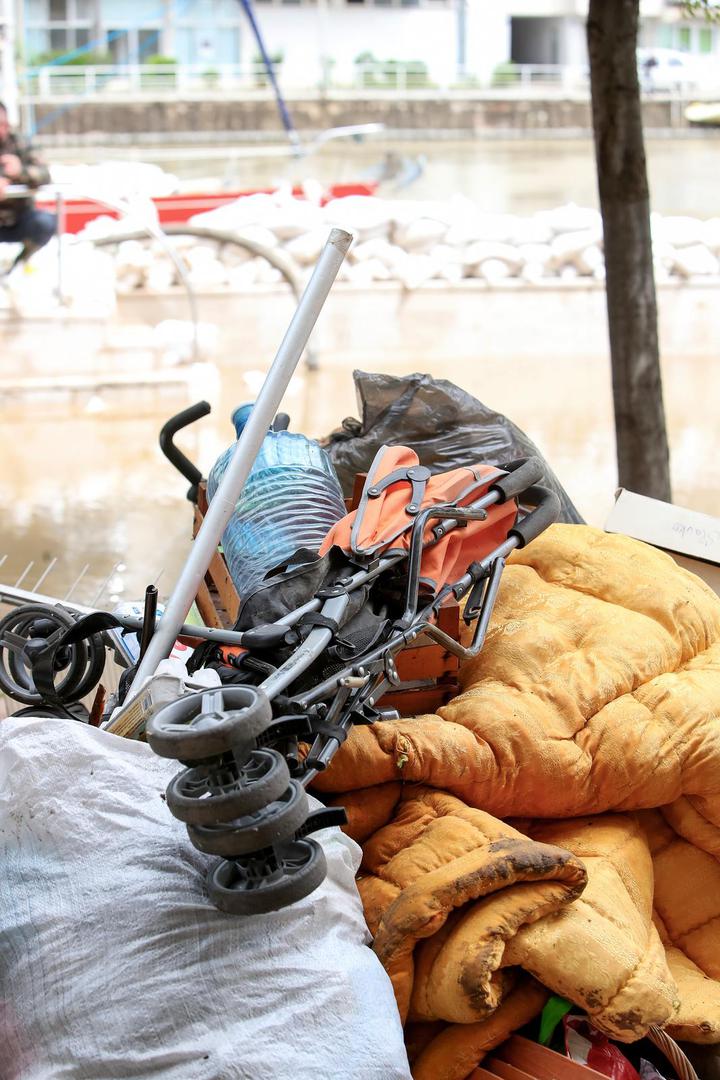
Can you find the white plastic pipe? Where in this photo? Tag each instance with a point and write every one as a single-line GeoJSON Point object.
{"type": "Point", "coordinates": [247, 448]}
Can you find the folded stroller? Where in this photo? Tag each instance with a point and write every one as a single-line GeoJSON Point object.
{"type": "Point", "coordinates": [315, 650]}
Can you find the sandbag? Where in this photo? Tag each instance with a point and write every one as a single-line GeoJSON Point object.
{"type": "Point", "coordinates": [114, 964]}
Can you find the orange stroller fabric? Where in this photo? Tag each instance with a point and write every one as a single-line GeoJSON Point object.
{"type": "Point", "coordinates": [383, 517]}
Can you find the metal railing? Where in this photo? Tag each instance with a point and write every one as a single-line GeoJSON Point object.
{"type": "Point", "coordinates": [52, 83]}
{"type": "Point", "coordinates": [367, 79]}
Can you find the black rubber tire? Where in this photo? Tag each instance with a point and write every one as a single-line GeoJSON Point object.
{"type": "Point", "coordinates": [272, 824]}
{"type": "Point", "coordinates": [194, 798]}
{"type": "Point", "coordinates": [240, 888]}
{"type": "Point", "coordinates": [209, 722]}
{"type": "Point", "coordinates": [85, 661]}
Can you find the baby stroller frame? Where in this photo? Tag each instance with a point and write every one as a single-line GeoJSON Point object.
{"type": "Point", "coordinates": [252, 750]}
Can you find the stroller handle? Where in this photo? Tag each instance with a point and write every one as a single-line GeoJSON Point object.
{"type": "Point", "coordinates": [522, 474]}
{"type": "Point", "coordinates": [174, 455]}
{"type": "Point", "coordinates": [545, 512]}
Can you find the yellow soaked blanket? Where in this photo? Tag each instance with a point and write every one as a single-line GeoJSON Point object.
{"type": "Point", "coordinates": [591, 720]}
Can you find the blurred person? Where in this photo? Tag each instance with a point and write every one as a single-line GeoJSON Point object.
{"type": "Point", "coordinates": [20, 222]}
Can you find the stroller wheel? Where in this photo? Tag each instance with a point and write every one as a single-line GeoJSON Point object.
{"type": "Point", "coordinates": [258, 884]}
{"type": "Point", "coordinates": [277, 821]}
{"type": "Point", "coordinates": [207, 795]}
{"type": "Point", "coordinates": [209, 722]}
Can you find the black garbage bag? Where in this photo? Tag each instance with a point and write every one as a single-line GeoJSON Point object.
{"type": "Point", "coordinates": [446, 426]}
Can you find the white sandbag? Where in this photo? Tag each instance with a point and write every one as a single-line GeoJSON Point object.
{"type": "Point", "coordinates": [128, 279]}
{"type": "Point", "coordinates": [361, 273]}
{"type": "Point", "coordinates": [451, 272]}
{"type": "Point", "coordinates": [533, 271]}
{"type": "Point", "coordinates": [420, 235]}
{"type": "Point", "coordinates": [695, 260]}
{"type": "Point", "coordinates": [680, 231]}
{"type": "Point", "coordinates": [114, 964]}
{"type": "Point", "coordinates": [160, 275]}
{"type": "Point", "coordinates": [711, 235]}
{"type": "Point", "coordinates": [378, 248]}
{"type": "Point", "coordinates": [532, 230]}
{"type": "Point", "coordinates": [293, 218]}
{"type": "Point", "coordinates": [306, 248]}
{"type": "Point", "coordinates": [233, 255]}
{"type": "Point", "coordinates": [242, 277]}
{"type": "Point", "coordinates": [497, 228]}
{"type": "Point", "coordinates": [415, 270]}
{"type": "Point", "coordinates": [481, 251]}
{"type": "Point", "coordinates": [588, 260]}
{"type": "Point", "coordinates": [535, 253]}
{"type": "Point", "coordinates": [493, 270]}
{"type": "Point", "coordinates": [207, 274]}
{"type": "Point", "coordinates": [265, 274]}
{"type": "Point", "coordinates": [568, 247]}
{"type": "Point", "coordinates": [363, 215]}
{"type": "Point", "coordinates": [569, 219]}
{"type": "Point", "coordinates": [377, 270]}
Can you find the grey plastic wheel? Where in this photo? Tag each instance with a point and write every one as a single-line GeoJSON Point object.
{"type": "Point", "coordinates": [208, 795]}
{"type": "Point", "coordinates": [209, 722]}
{"type": "Point", "coordinates": [274, 823]}
{"type": "Point", "coordinates": [254, 886]}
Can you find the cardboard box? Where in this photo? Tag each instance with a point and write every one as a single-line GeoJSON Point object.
{"type": "Point", "coordinates": [693, 539]}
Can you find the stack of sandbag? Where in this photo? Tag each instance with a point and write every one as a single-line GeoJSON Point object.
{"type": "Point", "coordinates": [410, 242]}
{"type": "Point", "coordinates": [556, 827]}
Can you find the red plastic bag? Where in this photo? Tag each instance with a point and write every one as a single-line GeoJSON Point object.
{"type": "Point", "coordinates": [588, 1046]}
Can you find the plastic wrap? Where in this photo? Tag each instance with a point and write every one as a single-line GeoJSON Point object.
{"type": "Point", "coordinates": [446, 426]}
{"type": "Point", "coordinates": [290, 500]}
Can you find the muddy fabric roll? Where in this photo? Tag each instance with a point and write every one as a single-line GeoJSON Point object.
{"type": "Point", "coordinates": [438, 864]}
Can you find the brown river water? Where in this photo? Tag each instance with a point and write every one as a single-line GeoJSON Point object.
{"type": "Point", "coordinates": [88, 485]}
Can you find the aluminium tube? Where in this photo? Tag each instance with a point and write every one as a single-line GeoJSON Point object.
{"type": "Point", "coordinates": [267, 404]}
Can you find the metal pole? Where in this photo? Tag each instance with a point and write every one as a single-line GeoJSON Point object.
{"type": "Point", "coordinates": [246, 450]}
{"type": "Point", "coordinates": [60, 210]}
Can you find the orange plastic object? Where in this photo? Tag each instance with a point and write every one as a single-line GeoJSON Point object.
{"type": "Point", "coordinates": [383, 517]}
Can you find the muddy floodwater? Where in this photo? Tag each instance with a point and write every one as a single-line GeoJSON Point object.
{"type": "Point", "coordinates": [516, 176]}
{"type": "Point", "coordinates": [91, 488]}
{"type": "Point", "coordinates": [85, 482]}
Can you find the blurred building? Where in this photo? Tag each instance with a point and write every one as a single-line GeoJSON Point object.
{"type": "Point", "coordinates": [461, 40]}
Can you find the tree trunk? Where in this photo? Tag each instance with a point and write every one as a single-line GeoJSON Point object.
{"type": "Point", "coordinates": [642, 447]}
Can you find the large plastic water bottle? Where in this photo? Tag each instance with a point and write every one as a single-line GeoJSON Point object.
{"type": "Point", "coordinates": [291, 499]}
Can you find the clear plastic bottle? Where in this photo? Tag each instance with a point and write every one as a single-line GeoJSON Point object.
{"type": "Point", "coordinates": [291, 499]}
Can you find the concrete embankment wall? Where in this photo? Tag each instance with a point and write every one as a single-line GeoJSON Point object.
{"type": "Point", "coordinates": [438, 324]}
{"type": "Point", "coordinates": [181, 119]}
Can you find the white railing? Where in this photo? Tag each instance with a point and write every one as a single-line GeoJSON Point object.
{"type": "Point", "coordinates": [367, 79]}
{"type": "Point", "coordinates": [371, 77]}
{"type": "Point", "coordinates": [146, 80]}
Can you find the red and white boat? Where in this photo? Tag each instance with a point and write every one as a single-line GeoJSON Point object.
{"type": "Point", "coordinates": [176, 209]}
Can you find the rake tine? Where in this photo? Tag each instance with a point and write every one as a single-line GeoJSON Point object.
{"type": "Point", "coordinates": [77, 581]}
{"type": "Point", "coordinates": [44, 574]}
{"type": "Point", "coordinates": [24, 574]}
{"type": "Point", "coordinates": [104, 585]}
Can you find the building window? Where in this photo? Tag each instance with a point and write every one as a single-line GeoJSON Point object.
{"type": "Point", "coordinates": [705, 39]}
{"type": "Point", "coordinates": [58, 10]}
{"type": "Point", "coordinates": [59, 41]}
{"type": "Point", "coordinates": [666, 37]}
{"type": "Point", "coordinates": [683, 37]}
